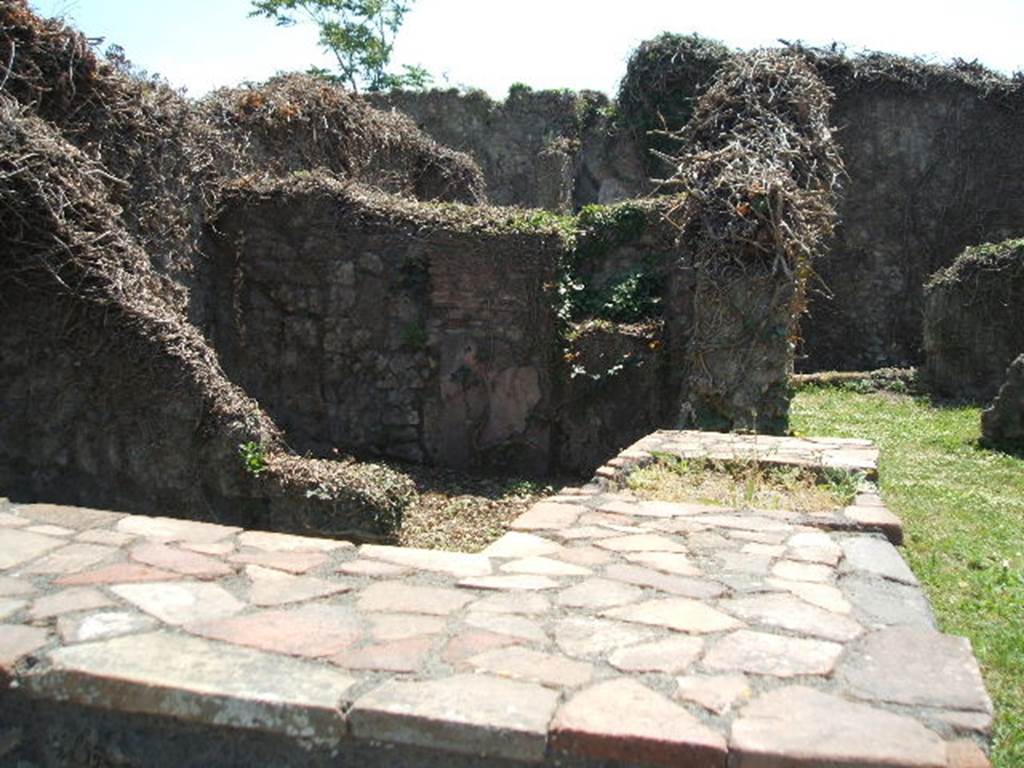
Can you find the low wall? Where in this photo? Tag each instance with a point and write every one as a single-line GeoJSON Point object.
{"type": "Point", "coordinates": [974, 321]}
{"type": "Point", "coordinates": [759, 636]}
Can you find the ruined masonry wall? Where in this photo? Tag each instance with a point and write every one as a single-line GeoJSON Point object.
{"type": "Point", "coordinates": [931, 170]}
{"type": "Point", "coordinates": [387, 337]}
{"type": "Point", "coordinates": [537, 149]}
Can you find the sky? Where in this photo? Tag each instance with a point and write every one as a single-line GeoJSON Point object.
{"type": "Point", "coordinates": [200, 45]}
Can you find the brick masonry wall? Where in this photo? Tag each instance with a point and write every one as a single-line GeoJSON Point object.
{"type": "Point", "coordinates": [388, 338]}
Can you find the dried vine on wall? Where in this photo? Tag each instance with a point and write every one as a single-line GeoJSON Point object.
{"type": "Point", "coordinates": [759, 167]}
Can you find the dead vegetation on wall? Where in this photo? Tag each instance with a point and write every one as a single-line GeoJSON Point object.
{"type": "Point", "coordinates": [759, 168]}
{"type": "Point", "coordinates": [875, 69]}
{"type": "Point", "coordinates": [174, 429]}
{"type": "Point", "coordinates": [157, 155]}
{"type": "Point", "coordinates": [296, 122]}
{"type": "Point", "coordinates": [664, 78]}
{"type": "Point", "coordinates": [111, 396]}
{"type": "Point", "coordinates": [166, 156]}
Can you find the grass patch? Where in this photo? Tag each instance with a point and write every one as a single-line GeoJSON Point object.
{"type": "Point", "coordinates": [742, 484]}
{"type": "Point", "coordinates": [962, 507]}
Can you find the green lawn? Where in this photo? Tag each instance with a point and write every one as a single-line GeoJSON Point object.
{"type": "Point", "coordinates": [963, 510]}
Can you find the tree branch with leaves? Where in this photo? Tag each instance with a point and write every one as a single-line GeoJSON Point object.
{"type": "Point", "coordinates": [359, 34]}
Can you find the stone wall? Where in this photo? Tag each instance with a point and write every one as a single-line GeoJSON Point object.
{"type": "Point", "coordinates": [109, 396]}
{"type": "Point", "coordinates": [368, 324]}
{"type": "Point", "coordinates": [1002, 425]}
{"type": "Point", "coordinates": [974, 321]}
{"type": "Point", "coordinates": [619, 389]}
{"type": "Point", "coordinates": [932, 168]}
{"type": "Point", "coordinates": [556, 150]}
{"type": "Point", "coordinates": [931, 160]}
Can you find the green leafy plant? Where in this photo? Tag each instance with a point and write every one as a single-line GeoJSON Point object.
{"type": "Point", "coordinates": [634, 298]}
{"type": "Point", "coordinates": [530, 221]}
{"type": "Point", "coordinates": [254, 457]}
{"type": "Point", "coordinates": [664, 77]}
{"type": "Point", "coordinates": [519, 89]}
{"type": "Point", "coordinates": [359, 34]}
{"type": "Point", "coordinates": [842, 483]}
{"type": "Point", "coordinates": [414, 335]}
{"type": "Point", "coordinates": [635, 295]}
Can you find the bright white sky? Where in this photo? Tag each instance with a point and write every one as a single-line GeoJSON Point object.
{"type": "Point", "coordinates": [489, 44]}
